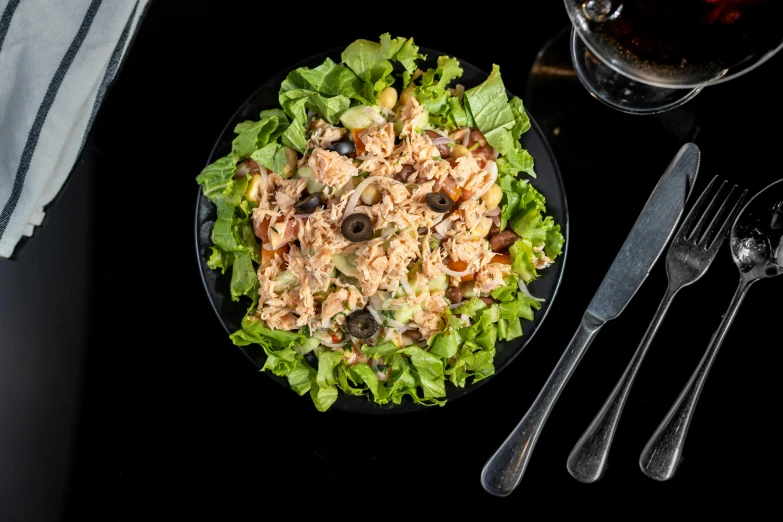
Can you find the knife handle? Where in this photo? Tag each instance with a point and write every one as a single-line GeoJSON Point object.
{"type": "Point", "coordinates": [504, 469]}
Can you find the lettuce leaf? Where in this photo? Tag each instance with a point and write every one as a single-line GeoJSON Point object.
{"type": "Point", "coordinates": [329, 78]}
{"type": "Point", "coordinates": [502, 122]}
{"type": "Point", "coordinates": [271, 156]}
{"type": "Point", "coordinates": [251, 136]}
{"type": "Point", "coordinates": [232, 233]}
{"type": "Point", "coordinates": [373, 63]}
{"type": "Point", "coordinates": [432, 93]}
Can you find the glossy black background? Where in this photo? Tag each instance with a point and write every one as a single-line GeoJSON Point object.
{"type": "Point", "coordinates": [122, 398]}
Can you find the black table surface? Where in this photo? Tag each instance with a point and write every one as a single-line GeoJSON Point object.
{"type": "Point", "coordinates": [123, 399]}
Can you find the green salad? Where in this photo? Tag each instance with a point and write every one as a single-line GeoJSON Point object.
{"type": "Point", "coordinates": [382, 226]}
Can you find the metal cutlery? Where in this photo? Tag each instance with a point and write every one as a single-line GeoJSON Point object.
{"type": "Point", "coordinates": [756, 242]}
{"type": "Point", "coordinates": [638, 254]}
{"type": "Point", "coordinates": [690, 254]}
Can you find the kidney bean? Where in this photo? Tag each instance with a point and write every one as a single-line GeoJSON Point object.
{"type": "Point", "coordinates": [406, 171]}
{"type": "Point", "coordinates": [454, 294]}
{"type": "Point", "coordinates": [502, 240]}
{"type": "Point", "coordinates": [415, 335]}
{"type": "Point", "coordinates": [442, 148]}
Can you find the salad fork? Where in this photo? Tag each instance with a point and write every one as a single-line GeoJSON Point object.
{"type": "Point", "coordinates": [756, 243]}
{"type": "Point", "coordinates": [690, 254]}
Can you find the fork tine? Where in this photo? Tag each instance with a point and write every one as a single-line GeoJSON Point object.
{"type": "Point", "coordinates": [728, 222]}
{"type": "Point", "coordinates": [701, 230]}
{"type": "Point", "coordinates": [693, 215]}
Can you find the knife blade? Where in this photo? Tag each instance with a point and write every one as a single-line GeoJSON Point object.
{"type": "Point", "coordinates": [637, 256]}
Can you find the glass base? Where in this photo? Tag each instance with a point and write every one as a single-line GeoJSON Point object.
{"type": "Point", "coordinates": [587, 136]}
{"type": "Point", "coordinates": [617, 90]}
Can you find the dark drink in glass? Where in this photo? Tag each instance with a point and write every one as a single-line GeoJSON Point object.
{"type": "Point", "coordinates": [680, 43]}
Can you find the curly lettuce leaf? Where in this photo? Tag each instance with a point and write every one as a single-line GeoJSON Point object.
{"type": "Point", "coordinates": [373, 62]}
{"type": "Point", "coordinates": [432, 92]}
{"type": "Point", "coordinates": [252, 135]}
{"type": "Point", "coordinates": [232, 234]}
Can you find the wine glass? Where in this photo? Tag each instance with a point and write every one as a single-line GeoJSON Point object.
{"type": "Point", "coordinates": [650, 56]}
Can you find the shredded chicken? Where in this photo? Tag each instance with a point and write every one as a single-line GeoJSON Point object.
{"type": "Point", "coordinates": [378, 140]}
{"type": "Point", "coordinates": [303, 282]}
{"type": "Point", "coordinates": [491, 277]}
{"type": "Point", "coordinates": [330, 168]}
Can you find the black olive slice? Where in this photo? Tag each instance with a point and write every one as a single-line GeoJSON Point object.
{"type": "Point", "coordinates": [357, 227]}
{"type": "Point", "coordinates": [309, 204]}
{"type": "Point", "coordinates": [361, 324]}
{"type": "Point", "coordinates": [439, 201]}
{"type": "Point", "coordinates": [343, 148]}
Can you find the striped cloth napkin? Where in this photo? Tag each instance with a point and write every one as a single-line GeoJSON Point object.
{"type": "Point", "coordinates": [57, 59]}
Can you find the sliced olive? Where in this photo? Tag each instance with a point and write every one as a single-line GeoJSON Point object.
{"type": "Point", "coordinates": [439, 201]}
{"type": "Point", "coordinates": [361, 324]}
{"type": "Point", "coordinates": [357, 227]}
{"type": "Point", "coordinates": [309, 204]}
{"type": "Point", "coordinates": [343, 148]}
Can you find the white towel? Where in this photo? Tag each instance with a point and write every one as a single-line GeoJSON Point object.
{"type": "Point", "coordinates": [57, 59]}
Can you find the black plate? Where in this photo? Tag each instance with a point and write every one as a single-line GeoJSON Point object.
{"type": "Point", "coordinates": [230, 313]}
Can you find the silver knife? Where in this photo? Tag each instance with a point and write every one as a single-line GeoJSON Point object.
{"type": "Point", "coordinates": [641, 249]}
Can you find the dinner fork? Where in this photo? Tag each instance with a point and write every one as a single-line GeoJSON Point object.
{"type": "Point", "coordinates": [690, 254]}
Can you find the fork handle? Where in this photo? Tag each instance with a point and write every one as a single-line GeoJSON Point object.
{"type": "Point", "coordinates": [504, 469]}
{"type": "Point", "coordinates": [587, 461]}
{"type": "Point", "coordinates": [662, 453]}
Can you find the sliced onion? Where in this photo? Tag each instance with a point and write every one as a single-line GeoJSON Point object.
{"type": "Point", "coordinates": [492, 168]}
{"type": "Point", "coordinates": [375, 158]}
{"type": "Point", "coordinates": [454, 306]}
{"type": "Point", "coordinates": [442, 140]}
{"type": "Point", "coordinates": [406, 285]}
{"type": "Point", "coordinates": [331, 345]}
{"type": "Point", "coordinates": [374, 115]}
{"type": "Point", "coordinates": [453, 273]}
{"type": "Point", "coordinates": [466, 139]}
{"type": "Point", "coordinates": [264, 176]}
{"type": "Point", "coordinates": [301, 216]}
{"type": "Point", "coordinates": [387, 111]}
{"type": "Point", "coordinates": [495, 220]}
{"type": "Point", "coordinates": [495, 153]}
{"type": "Point", "coordinates": [494, 212]}
{"type": "Point", "coordinates": [523, 288]}
{"type": "Point", "coordinates": [437, 236]}
{"type": "Point", "coordinates": [374, 314]}
{"type": "Point", "coordinates": [354, 199]}
{"type": "Point", "coordinates": [444, 226]}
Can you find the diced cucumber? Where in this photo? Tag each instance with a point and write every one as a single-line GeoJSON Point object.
{"type": "Point", "coordinates": [346, 263]}
{"type": "Point", "coordinates": [405, 313]}
{"type": "Point", "coordinates": [306, 346]}
{"type": "Point", "coordinates": [467, 290]}
{"type": "Point", "coordinates": [284, 281]}
{"type": "Point", "coordinates": [440, 282]}
{"type": "Point", "coordinates": [355, 118]}
{"type": "Point", "coordinates": [305, 172]}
